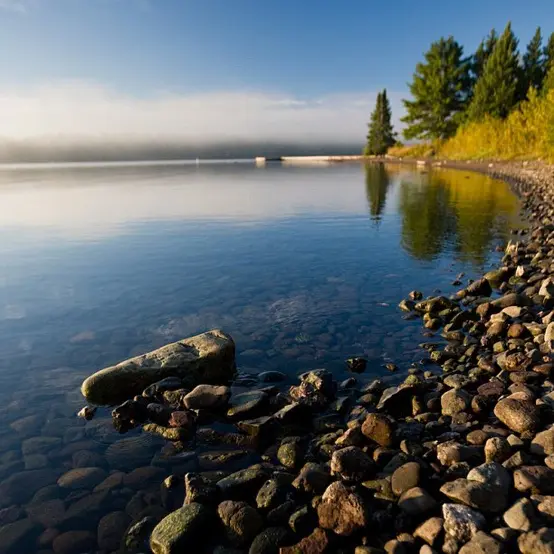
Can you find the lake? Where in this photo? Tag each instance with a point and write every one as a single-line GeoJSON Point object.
{"type": "Point", "coordinates": [303, 265]}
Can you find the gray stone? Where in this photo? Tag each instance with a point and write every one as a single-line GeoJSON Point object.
{"type": "Point", "coordinates": [206, 358]}
{"type": "Point", "coordinates": [207, 397]}
{"type": "Point", "coordinates": [492, 473]}
{"type": "Point", "coordinates": [537, 479]}
{"type": "Point", "coordinates": [497, 449]}
{"type": "Point", "coordinates": [312, 479]}
{"type": "Point", "coordinates": [405, 477]}
{"type": "Point", "coordinates": [430, 530]}
{"type": "Point", "coordinates": [242, 483]}
{"type": "Point", "coordinates": [416, 502]}
{"type": "Point", "coordinates": [521, 516]}
{"type": "Point", "coordinates": [342, 510]}
{"type": "Point", "coordinates": [18, 537]}
{"type": "Point", "coordinates": [461, 522]}
{"type": "Point", "coordinates": [20, 487]}
{"type": "Point", "coordinates": [455, 401]}
{"type": "Point", "coordinates": [351, 464]}
{"type": "Point", "coordinates": [111, 530]}
{"type": "Point", "coordinates": [48, 514]}
{"type": "Point", "coordinates": [242, 522]}
{"type": "Point", "coordinates": [481, 543]}
{"type": "Point", "coordinates": [270, 540]}
{"type": "Point", "coordinates": [180, 530]}
{"type": "Point", "coordinates": [519, 415]}
{"type": "Point", "coordinates": [537, 542]}
{"type": "Point", "coordinates": [543, 443]}
{"type": "Point", "coordinates": [74, 542]}
{"type": "Point", "coordinates": [248, 404]}
{"type": "Point", "coordinates": [291, 453]}
{"type": "Point", "coordinates": [483, 496]}
{"type": "Point", "coordinates": [82, 478]}
{"type": "Point", "coordinates": [40, 445]}
{"type": "Point", "coordinates": [379, 428]}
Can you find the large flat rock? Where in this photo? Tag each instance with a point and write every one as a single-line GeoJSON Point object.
{"type": "Point", "coordinates": [206, 358]}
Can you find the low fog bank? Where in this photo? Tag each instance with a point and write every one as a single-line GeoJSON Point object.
{"type": "Point", "coordinates": [82, 121]}
{"type": "Point", "coordinates": [30, 151]}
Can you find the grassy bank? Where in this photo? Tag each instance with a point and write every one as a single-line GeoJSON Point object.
{"type": "Point", "coordinates": [526, 134]}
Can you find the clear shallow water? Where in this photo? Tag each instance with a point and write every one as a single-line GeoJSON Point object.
{"type": "Point", "coordinates": [303, 266]}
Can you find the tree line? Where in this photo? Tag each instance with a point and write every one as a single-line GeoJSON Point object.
{"type": "Point", "coordinates": [450, 89]}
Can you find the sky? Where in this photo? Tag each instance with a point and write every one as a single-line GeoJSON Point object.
{"type": "Point", "coordinates": [209, 70]}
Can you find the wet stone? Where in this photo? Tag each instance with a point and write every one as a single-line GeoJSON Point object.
{"type": "Point", "coordinates": [111, 529]}
{"type": "Point", "coordinates": [74, 542]}
{"type": "Point", "coordinates": [207, 397]}
{"type": "Point", "coordinates": [247, 405]}
{"type": "Point", "coordinates": [82, 478]}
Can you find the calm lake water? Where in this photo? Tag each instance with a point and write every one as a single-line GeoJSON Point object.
{"type": "Point", "coordinates": [303, 266]}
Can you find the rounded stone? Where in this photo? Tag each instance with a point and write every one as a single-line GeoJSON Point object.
{"type": "Point", "coordinates": [74, 542]}
{"type": "Point", "coordinates": [82, 478]}
{"type": "Point", "coordinates": [111, 529]}
{"type": "Point", "coordinates": [180, 530]}
{"type": "Point", "coordinates": [406, 477]}
{"type": "Point", "coordinates": [241, 521]}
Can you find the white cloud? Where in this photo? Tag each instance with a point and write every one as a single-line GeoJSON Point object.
{"type": "Point", "coordinates": [92, 111]}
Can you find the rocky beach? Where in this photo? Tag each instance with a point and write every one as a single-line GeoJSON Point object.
{"type": "Point", "coordinates": [457, 457]}
{"type": "Point", "coordinates": [179, 450]}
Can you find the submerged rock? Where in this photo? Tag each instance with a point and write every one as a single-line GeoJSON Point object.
{"type": "Point", "coordinates": [207, 358]}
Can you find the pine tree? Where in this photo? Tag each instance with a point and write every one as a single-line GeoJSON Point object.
{"type": "Point", "coordinates": [381, 135]}
{"type": "Point", "coordinates": [440, 89]}
{"type": "Point", "coordinates": [484, 50]}
{"type": "Point", "coordinates": [533, 65]}
{"type": "Point", "coordinates": [549, 53]}
{"type": "Point", "coordinates": [496, 90]}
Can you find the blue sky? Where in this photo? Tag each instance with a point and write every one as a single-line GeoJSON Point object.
{"type": "Point", "coordinates": [206, 57]}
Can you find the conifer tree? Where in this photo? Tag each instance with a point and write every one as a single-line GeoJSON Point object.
{"type": "Point", "coordinates": [495, 92]}
{"type": "Point", "coordinates": [440, 89]}
{"type": "Point", "coordinates": [482, 54]}
{"type": "Point", "coordinates": [381, 135]}
{"type": "Point", "coordinates": [533, 65]}
{"type": "Point", "coordinates": [549, 53]}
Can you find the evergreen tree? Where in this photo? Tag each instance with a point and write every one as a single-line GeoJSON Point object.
{"type": "Point", "coordinates": [496, 90]}
{"type": "Point", "coordinates": [533, 65]}
{"type": "Point", "coordinates": [381, 135]}
{"type": "Point", "coordinates": [440, 89]}
{"type": "Point", "coordinates": [549, 53]}
{"type": "Point", "coordinates": [482, 54]}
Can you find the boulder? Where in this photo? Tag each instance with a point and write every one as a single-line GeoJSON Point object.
{"type": "Point", "coordinates": [351, 464]}
{"type": "Point", "coordinates": [517, 414]}
{"type": "Point", "coordinates": [206, 358]}
{"type": "Point", "coordinates": [342, 510]}
{"type": "Point", "coordinates": [242, 522]}
{"type": "Point", "coordinates": [180, 530]}
{"type": "Point", "coordinates": [462, 523]}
